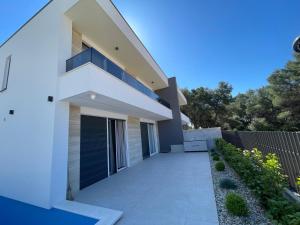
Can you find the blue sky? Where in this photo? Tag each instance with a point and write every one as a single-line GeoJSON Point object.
{"type": "Point", "coordinates": [201, 42]}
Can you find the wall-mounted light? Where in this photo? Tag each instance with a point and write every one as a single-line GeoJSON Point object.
{"type": "Point", "coordinates": [93, 96]}
{"type": "Point", "coordinates": [50, 98]}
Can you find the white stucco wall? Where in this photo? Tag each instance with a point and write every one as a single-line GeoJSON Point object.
{"type": "Point", "coordinates": [30, 152]}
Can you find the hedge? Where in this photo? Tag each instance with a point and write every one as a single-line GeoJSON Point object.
{"type": "Point", "coordinates": [264, 176]}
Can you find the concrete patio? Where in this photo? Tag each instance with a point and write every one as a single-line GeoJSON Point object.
{"type": "Point", "coordinates": [167, 189]}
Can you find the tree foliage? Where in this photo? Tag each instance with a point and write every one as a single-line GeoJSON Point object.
{"type": "Point", "coordinates": [207, 107]}
{"type": "Point", "coordinates": [273, 107]}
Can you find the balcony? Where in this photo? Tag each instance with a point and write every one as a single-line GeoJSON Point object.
{"type": "Point", "coordinates": [91, 55]}
{"type": "Point", "coordinates": [86, 84]}
{"type": "Point", "coordinates": [185, 119]}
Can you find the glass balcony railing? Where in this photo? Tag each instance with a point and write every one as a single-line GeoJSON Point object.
{"type": "Point", "coordinates": [95, 57]}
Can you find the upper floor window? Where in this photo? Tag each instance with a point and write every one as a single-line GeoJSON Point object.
{"type": "Point", "coordinates": [6, 74]}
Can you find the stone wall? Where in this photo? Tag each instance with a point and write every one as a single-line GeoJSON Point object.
{"type": "Point", "coordinates": [74, 149]}
{"type": "Point", "coordinates": [134, 141]}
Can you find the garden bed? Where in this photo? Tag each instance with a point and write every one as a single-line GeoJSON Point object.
{"type": "Point", "coordinates": [256, 214]}
{"type": "Point", "coordinates": [263, 175]}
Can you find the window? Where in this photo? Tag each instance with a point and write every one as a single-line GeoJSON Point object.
{"type": "Point", "coordinates": [6, 74]}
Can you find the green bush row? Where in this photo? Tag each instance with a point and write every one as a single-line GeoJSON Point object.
{"type": "Point", "coordinates": [264, 176]}
{"type": "Point", "coordinates": [235, 204]}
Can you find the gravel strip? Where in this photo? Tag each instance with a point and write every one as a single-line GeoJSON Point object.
{"type": "Point", "coordinates": [256, 213]}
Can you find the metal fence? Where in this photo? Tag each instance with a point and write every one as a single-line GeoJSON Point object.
{"type": "Point", "coordinates": [286, 145]}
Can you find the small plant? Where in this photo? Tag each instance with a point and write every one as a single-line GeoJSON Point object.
{"type": "Point", "coordinates": [227, 184]}
{"type": "Point", "coordinates": [214, 154]}
{"type": "Point", "coordinates": [236, 205]}
{"type": "Point", "coordinates": [220, 166]}
{"type": "Point", "coordinates": [298, 182]}
{"type": "Point", "coordinates": [216, 158]}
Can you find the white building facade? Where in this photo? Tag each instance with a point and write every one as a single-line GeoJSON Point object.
{"type": "Point", "coordinates": [80, 101]}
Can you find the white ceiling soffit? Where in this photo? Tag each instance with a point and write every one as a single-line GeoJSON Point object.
{"type": "Point", "coordinates": [112, 105]}
{"type": "Point", "coordinates": [102, 23]}
{"type": "Point", "coordinates": [181, 98]}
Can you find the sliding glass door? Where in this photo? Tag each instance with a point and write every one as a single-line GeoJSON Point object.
{"type": "Point", "coordinates": [145, 140]}
{"type": "Point", "coordinates": [112, 147]}
{"type": "Point", "coordinates": [149, 146]}
{"type": "Point", "coordinates": [151, 137]}
{"type": "Point", "coordinates": [121, 145]}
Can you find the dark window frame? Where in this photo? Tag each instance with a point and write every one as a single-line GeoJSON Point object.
{"type": "Point", "coordinates": [7, 67]}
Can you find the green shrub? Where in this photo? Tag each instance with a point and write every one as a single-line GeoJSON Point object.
{"type": "Point", "coordinates": [236, 205]}
{"type": "Point", "coordinates": [227, 184]}
{"type": "Point", "coordinates": [294, 219]}
{"type": "Point", "coordinates": [264, 176]}
{"type": "Point", "coordinates": [216, 158]}
{"type": "Point", "coordinates": [220, 143]}
{"type": "Point", "coordinates": [220, 166]}
{"type": "Point", "coordinates": [279, 208]}
{"type": "Point", "coordinates": [214, 154]}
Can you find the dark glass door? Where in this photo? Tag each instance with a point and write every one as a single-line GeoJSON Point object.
{"type": "Point", "coordinates": [93, 150]}
{"type": "Point", "coordinates": [145, 140]}
{"type": "Point", "coordinates": [112, 146]}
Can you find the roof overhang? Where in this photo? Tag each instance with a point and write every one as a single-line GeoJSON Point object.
{"type": "Point", "coordinates": [181, 98]}
{"type": "Point", "coordinates": [102, 23]}
{"type": "Point", "coordinates": [185, 120]}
